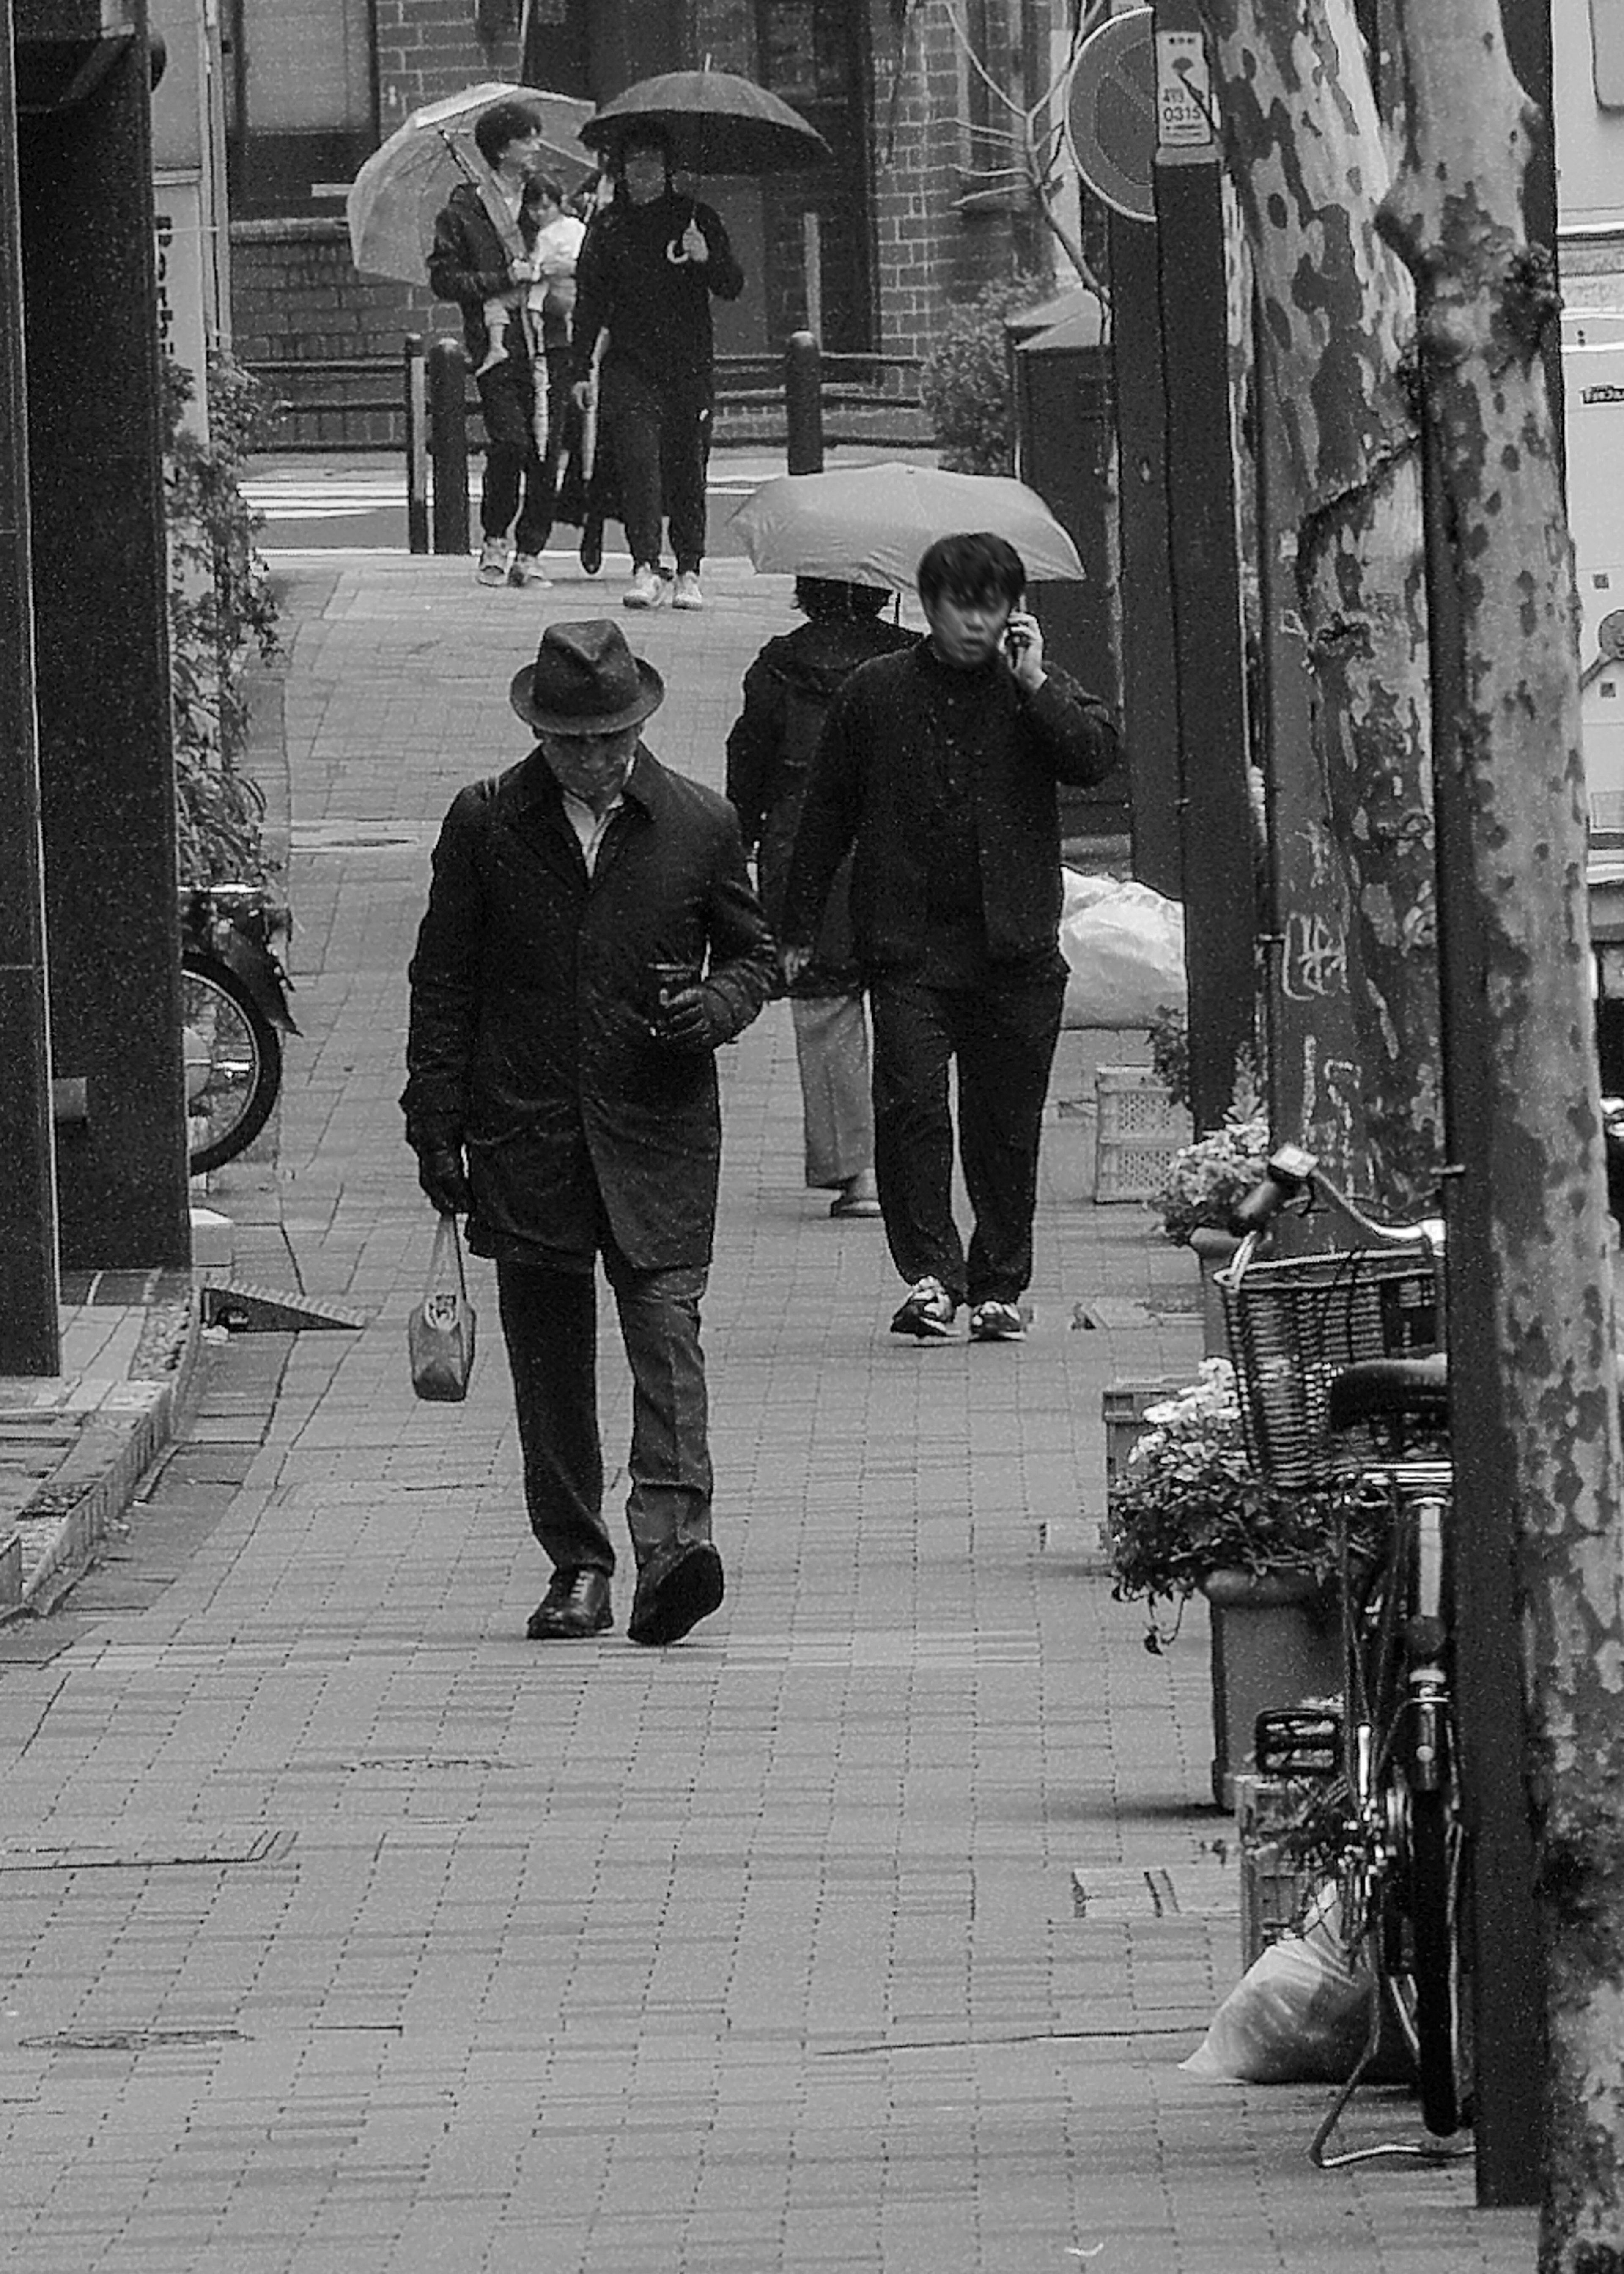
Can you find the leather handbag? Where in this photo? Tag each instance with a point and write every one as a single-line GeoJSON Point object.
{"type": "Point", "coordinates": [440, 1333]}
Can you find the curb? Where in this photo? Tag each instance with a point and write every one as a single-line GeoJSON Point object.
{"type": "Point", "coordinates": [87, 1495]}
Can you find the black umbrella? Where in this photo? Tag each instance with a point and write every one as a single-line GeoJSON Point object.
{"type": "Point", "coordinates": [717, 123]}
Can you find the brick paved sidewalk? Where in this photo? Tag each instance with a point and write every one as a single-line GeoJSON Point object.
{"type": "Point", "coordinates": [344, 1931]}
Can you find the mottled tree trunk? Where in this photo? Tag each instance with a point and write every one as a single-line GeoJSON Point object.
{"type": "Point", "coordinates": [1455, 214]}
{"type": "Point", "coordinates": [1305, 148]}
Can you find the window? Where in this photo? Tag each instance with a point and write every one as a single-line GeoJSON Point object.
{"type": "Point", "coordinates": [301, 101]}
{"type": "Point", "coordinates": [1608, 52]}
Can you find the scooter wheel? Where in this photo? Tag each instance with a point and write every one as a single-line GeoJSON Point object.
{"type": "Point", "coordinates": [233, 1062]}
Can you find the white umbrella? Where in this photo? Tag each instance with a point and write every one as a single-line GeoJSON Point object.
{"type": "Point", "coordinates": [392, 201]}
{"type": "Point", "coordinates": [869, 525]}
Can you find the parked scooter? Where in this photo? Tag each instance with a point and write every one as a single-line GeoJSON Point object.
{"type": "Point", "coordinates": [234, 1010]}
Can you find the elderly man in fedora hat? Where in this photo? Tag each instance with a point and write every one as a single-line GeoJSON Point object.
{"type": "Point", "coordinates": [591, 936]}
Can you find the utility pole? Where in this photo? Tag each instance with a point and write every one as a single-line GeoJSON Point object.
{"type": "Point", "coordinates": [1208, 653]}
{"type": "Point", "coordinates": [30, 1325]}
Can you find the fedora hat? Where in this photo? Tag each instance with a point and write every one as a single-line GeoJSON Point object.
{"type": "Point", "coordinates": [585, 681]}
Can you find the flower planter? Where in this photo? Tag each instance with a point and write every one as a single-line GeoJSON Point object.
{"type": "Point", "coordinates": [1211, 1250]}
{"type": "Point", "coordinates": [1276, 1641]}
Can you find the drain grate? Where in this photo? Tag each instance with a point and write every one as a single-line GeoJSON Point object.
{"type": "Point", "coordinates": [130, 2041]}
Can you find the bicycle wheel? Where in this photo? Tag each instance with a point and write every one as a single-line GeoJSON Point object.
{"type": "Point", "coordinates": [1435, 2002]}
{"type": "Point", "coordinates": [233, 1062]}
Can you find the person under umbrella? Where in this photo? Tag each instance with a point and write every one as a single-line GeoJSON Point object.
{"type": "Point", "coordinates": [787, 691]}
{"type": "Point", "coordinates": [652, 264]}
{"type": "Point", "coordinates": [485, 237]}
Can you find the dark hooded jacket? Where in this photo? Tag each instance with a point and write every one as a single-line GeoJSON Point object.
{"type": "Point", "coordinates": [787, 691]}
{"type": "Point", "coordinates": [656, 311]}
{"type": "Point", "coordinates": [532, 992]}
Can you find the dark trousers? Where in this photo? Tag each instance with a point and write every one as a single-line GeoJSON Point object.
{"type": "Point", "coordinates": [517, 478]}
{"type": "Point", "coordinates": [1000, 1033]}
{"type": "Point", "coordinates": [550, 1324]}
{"type": "Point", "coordinates": [661, 441]}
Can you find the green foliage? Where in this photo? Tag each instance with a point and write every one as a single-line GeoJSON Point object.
{"type": "Point", "coordinates": [965, 385]}
{"type": "Point", "coordinates": [1169, 1051]}
{"type": "Point", "coordinates": [1206, 1179]}
{"type": "Point", "coordinates": [222, 609]}
{"type": "Point", "coordinates": [1188, 1503]}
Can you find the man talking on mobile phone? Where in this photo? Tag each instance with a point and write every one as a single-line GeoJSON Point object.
{"type": "Point", "coordinates": [937, 769]}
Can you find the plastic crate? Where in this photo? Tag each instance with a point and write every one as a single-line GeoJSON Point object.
{"type": "Point", "coordinates": [1140, 1131]}
{"type": "Point", "coordinates": [1277, 1886]}
{"type": "Point", "coordinates": [1123, 1408]}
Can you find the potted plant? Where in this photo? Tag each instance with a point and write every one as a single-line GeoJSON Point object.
{"type": "Point", "coordinates": [1187, 1515]}
{"type": "Point", "coordinates": [1199, 1190]}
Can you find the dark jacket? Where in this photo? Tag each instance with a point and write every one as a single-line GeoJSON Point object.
{"type": "Point", "coordinates": [468, 263]}
{"type": "Point", "coordinates": [656, 312]}
{"type": "Point", "coordinates": [880, 754]}
{"type": "Point", "coordinates": [787, 692]}
{"type": "Point", "coordinates": [532, 989]}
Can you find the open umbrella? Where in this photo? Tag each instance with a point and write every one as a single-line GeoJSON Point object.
{"type": "Point", "coordinates": [717, 123]}
{"type": "Point", "coordinates": [392, 201]}
{"type": "Point", "coordinates": [869, 525]}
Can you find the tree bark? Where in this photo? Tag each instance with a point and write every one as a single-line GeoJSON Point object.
{"type": "Point", "coordinates": [1456, 214]}
{"type": "Point", "coordinates": [1304, 147]}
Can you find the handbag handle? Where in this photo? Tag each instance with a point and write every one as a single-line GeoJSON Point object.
{"type": "Point", "coordinates": [446, 1232]}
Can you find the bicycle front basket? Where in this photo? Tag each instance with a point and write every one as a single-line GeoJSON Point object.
{"type": "Point", "coordinates": [1295, 1324]}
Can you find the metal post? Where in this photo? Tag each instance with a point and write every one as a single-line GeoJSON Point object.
{"type": "Point", "coordinates": [30, 1324]}
{"type": "Point", "coordinates": [812, 265]}
{"type": "Point", "coordinates": [1204, 564]}
{"type": "Point", "coordinates": [416, 446]}
{"type": "Point", "coordinates": [803, 402]}
{"type": "Point", "coordinates": [449, 445]}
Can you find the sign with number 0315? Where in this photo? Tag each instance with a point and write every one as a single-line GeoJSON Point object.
{"type": "Point", "coordinates": [1184, 111]}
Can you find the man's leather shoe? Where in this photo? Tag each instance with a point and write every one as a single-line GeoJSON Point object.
{"type": "Point", "coordinates": [680, 1584]}
{"type": "Point", "coordinates": [576, 1604]}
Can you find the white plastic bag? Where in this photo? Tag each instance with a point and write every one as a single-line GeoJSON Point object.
{"type": "Point", "coordinates": [1299, 2014]}
{"type": "Point", "coordinates": [1124, 950]}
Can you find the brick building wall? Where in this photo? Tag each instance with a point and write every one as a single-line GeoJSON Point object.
{"type": "Point", "coordinates": [297, 300]}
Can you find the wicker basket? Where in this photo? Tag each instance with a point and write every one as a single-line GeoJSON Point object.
{"type": "Point", "coordinates": [1139, 1130]}
{"type": "Point", "coordinates": [1294, 1325]}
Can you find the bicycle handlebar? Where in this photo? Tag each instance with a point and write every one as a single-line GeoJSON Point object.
{"type": "Point", "coordinates": [1292, 1174]}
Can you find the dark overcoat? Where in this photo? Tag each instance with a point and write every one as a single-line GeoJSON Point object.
{"type": "Point", "coordinates": [532, 995]}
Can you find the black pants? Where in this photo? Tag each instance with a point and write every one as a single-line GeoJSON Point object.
{"type": "Point", "coordinates": [1000, 1033]}
{"type": "Point", "coordinates": [517, 478]}
{"type": "Point", "coordinates": [550, 1324]}
{"type": "Point", "coordinates": [661, 441]}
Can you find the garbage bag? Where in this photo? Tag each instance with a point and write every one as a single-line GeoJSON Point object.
{"type": "Point", "coordinates": [1125, 951]}
{"type": "Point", "coordinates": [1299, 2014]}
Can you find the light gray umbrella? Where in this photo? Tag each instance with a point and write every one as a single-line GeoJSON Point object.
{"type": "Point", "coordinates": [392, 201]}
{"type": "Point", "coordinates": [869, 525]}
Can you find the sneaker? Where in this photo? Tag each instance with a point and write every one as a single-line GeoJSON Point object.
{"type": "Point", "coordinates": [927, 1311]}
{"type": "Point", "coordinates": [687, 594]}
{"type": "Point", "coordinates": [527, 570]}
{"type": "Point", "coordinates": [492, 568]}
{"type": "Point", "coordinates": [645, 590]}
{"type": "Point", "coordinates": [996, 1322]}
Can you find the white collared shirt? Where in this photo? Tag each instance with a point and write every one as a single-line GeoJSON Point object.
{"type": "Point", "coordinates": [591, 827]}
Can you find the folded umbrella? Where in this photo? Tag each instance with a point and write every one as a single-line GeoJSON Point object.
{"type": "Point", "coordinates": [717, 124]}
{"type": "Point", "coordinates": [393, 200]}
{"type": "Point", "coordinates": [869, 525]}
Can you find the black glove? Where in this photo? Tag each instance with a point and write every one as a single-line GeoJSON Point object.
{"type": "Point", "coordinates": [444, 1180]}
{"type": "Point", "coordinates": [690, 1018]}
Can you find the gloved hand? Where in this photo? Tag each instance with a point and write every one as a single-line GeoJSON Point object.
{"type": "Point", "coordinates": [690, 1019]}
{"type": "Point", "coordinates": [444, 1180]}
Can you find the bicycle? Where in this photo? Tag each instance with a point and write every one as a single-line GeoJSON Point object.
{"type": "Point", "coordinates": [1343, 1384]}
{"type": "Point", "coordinates": [234, 1012]}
